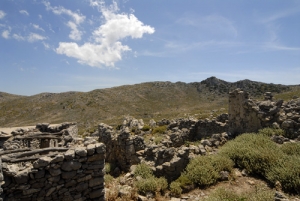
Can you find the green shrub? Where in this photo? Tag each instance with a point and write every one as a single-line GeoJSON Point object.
{"type": "Point", "coordinates": [271, 131]}
{"type": "Point", "coordinates": [260, 193]}
{"type": "Point", "coordinates": [158, 139]}
{"type": "Point", "coordinates": [162, 184]}
{"type": "Point", "coordinates": [254, 152]}
{"type": "Point", "coordinates": [205, 170]}
{"type": "Point", "coordinates": [225, 195]}
{"type": "Point", "coordinates": [259, 155]}
{"type": "Point", "coordinates": [291, 148]}
{"type": "Point", "coordinates": [152, 184]}
{"type": "Point", "coordinates": [183, 180]}
{"type": "Point", "coordinates": [107, 168]}
{"type": "Point", "coordinates": [108, 179]}
{"type": "Point", "coordinates": [175, 189]}
{"type": "Point", "coordinates": [159, 129]}
{"type": "Point", "coordinates": [143, 170]}
{"type": "Point", "coordinates": [221, 163]}
{"type": "Point", "coordinates": [146, 128]}
{"type": "Point", "coordinates": [286, 171]}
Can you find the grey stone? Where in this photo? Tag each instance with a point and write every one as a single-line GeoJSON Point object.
{"type": "Point", "coordinates": [97, 193]}
{"type": "Point", "coordinates": [81, 151]}
{"type": "Point", "coordinates": [70, 155]}
{"type": "Point", "coordinates": [70, 165]}
{"type": "Point", "coordinates": [68, 175]}
{"type": "Point", "coordinates": [96, 182]}
{"type": "Point", "coordinates": [55, 172]}
{"type": "Point", "coordinates": [42, 162]}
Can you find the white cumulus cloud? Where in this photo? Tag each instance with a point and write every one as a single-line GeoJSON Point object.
{"type": "Point", "coordinates": [106, 48]}
{"type": "Point", "coordinates": [24, 12]}
{"type": "Point", "coordinates": [5, 34]}
{"type": "Point", "coordinates": [77, 19]}
{"type": "Point", "coordinates": [2, 14]}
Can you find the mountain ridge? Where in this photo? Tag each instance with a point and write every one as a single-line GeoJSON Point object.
{"type": "Point", "coordinates": [145, 100]}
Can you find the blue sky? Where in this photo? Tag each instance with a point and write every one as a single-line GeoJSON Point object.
{"type": "Point", "coordinates": [81, 45]}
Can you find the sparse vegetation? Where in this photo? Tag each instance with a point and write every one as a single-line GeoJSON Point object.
{"type": "Point", "coordinates": [148, 182]}
{"type": "Point", "coordinates": [146, 128]}
{"type": "Point", "coordinates": [260, 193]}
{"type": "Point", "coordinates": [143, 170]}
{"type": "Point", "coordinates": [153, 100]}
{"type": "Point", "coordinates": [159, 129]}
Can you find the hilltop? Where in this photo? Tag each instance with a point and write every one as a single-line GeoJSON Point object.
{"type": "Point", "coordinates": [146, 100]}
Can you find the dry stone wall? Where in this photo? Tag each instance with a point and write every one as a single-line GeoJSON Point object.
{"type": "Point", "coordinates": [248, 115]}
{"type": "Point", "coordinates": [169, 153]}
{"type": "Point", "coordinates": [67, 170]}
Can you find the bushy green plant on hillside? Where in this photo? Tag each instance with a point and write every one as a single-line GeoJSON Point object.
{"type": "Point", "coordinates": [205, 170]}
{"type": "Point", "coordinates": [271, 131]}
{"type": "Point", "coordinates": [184, 181]}
{"type": "Point", "coordinates": [259, 194]}
{"type": "Point", "coordinates": [159, 129]}
{"type": "Point", "coordinates": [149, 183]}
{"type": "Point", "coordinates": [291, 149]}
{"type": "Point", "coordinates": [175, 188]}
{"type": "Point", "coordinates": [254, 152]}
{"type": "Point", "coordinates": [143, 170]}
{"type": "Point", "coordinates": [152, 185]}
{"type": "Point", "coordinates": [286, 171]}
{"type": "Point", "coordinates": [259, 155]}
{"type": "Point", "coordinates": [146, 128]}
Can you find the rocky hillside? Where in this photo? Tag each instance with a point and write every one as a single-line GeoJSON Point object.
{"type": "Point", "coordinates": [146, 100]}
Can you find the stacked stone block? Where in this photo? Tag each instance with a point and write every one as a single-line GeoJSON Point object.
{"type": "Point", "coordinates": [76, 175]}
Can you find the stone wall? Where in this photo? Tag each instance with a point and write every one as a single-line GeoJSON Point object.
{"type": "Point", "coordinates": [248, 115]}
{"type": "Point", "coordinates": [243, 113]}
{"type": "Point", "coordinates": [167, 157]}
{"type": "Point", "coordinates": [68, 169]}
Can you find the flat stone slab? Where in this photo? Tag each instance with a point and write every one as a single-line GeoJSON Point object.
{"type": "Point", "coordinates": [8, 130]}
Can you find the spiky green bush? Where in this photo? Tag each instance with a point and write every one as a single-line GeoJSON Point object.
{"type": "Point", "coordinates": [259, 155]}
{"type": "Point", "coordinates": [286, 171]}
{"type": "Point", "coordinates": [143, 170]}
{"type": "Point", "coordinates": [159, 129]}
{"type": "Point", "coordinates": [175, 189]}
{"type": "Point", "coordinates": [260, 193]}
{"type": "Point", "coordinates": [152, 184]}
{"type": "Point", "coordinates": [271, 131]}
{"type": "Point", "coordinates": [254, 152]}
{"type": "Point", "coordinates": [205, 170]}
{"type": "Point", "coordinates": [291, 149]}
{"type": "Point", "coordinates": [146, 128]}
{"type": "Point", "coordinates": [183, 180]}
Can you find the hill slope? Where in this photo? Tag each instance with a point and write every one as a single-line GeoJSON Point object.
{"type": "Point", "coordinates": [147, 100]}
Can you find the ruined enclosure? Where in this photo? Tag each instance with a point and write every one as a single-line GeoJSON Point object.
{"type": "Point", "coordinates": [169, 153]}
{"type": "Point", "coordinates": [51, 163]}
